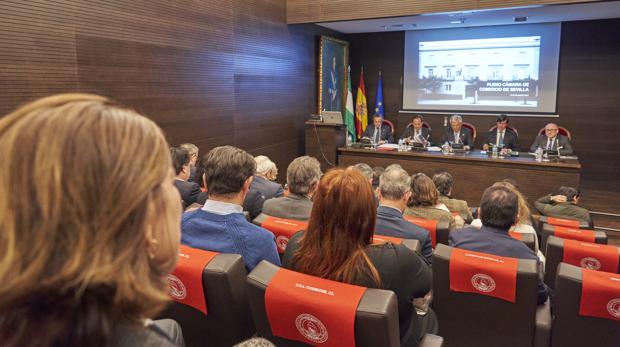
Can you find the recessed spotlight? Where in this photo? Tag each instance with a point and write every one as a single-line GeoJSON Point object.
{"type": "Point", "coordinates": [460, 21]}
{"type": "Point", "coordinates": [520, 19]}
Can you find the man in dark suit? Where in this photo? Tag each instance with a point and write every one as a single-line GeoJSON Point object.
{"type": "Point", "coordinates": [499, 210]}
{"type": "Point", "coordinates": [262, 187]}
{"type": "Point", "coordinates": [415, 132]}
{"type": "Point", "coordinates": [563, 205]}
{"type": "Point", "coordinates": [180, 161]}
{"type": "Point", "coordinates": [456, 134]}
{"type": "Point", "coordinates": [377, 133]}
{"type": "Point", "coordinates": [193, 158]}
{"type": "Point", "coordinates": [502, 136]}
{"type": "Point", "coordinates": [551, 140]}
{"type": "Point", "coordinates": [394, 191]}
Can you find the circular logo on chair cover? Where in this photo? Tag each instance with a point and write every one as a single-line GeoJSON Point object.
{"type": "Point", "coordinates": [483, 283]}
{"type": "Point", "coordinates": [176, 288]}
{"type": "Point", "coordinates": [311, 328]}
{"type": "Point", "coordinates": [613, 307]}
{"type": "Point", "coordinates": [281, 242]}
{"type": "Point", "coordinates": [590, 263]}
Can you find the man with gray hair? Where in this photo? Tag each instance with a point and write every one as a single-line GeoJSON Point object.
{"type": "Point", "coordinates": [303, 175]}
{"type": "Point", "coordinates": [394, 191]}
{"type": "Point", "coordinates": [456, 134]}
{"type": "Point", "coordinates": [262, 187]}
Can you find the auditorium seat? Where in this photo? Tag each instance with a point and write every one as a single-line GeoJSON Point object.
{"type": "Point", "coordinates": [528, 239]}
{"type": "Point", "coordinates": [474, 319]}
{"type": "Point", "coordinates": [508, 127]}
{"type": "Point", "coordinates": [586, 235]}
{"type": "Point", "coordinates": [561, 131]}
{"type": "Point", "coordinates": [566, 222]}
{"type": "Point", "coordinates": [471, 127]}
{"type": "Point", "coordinates": [228, 319]}
{"type": "Point", "coordinates": [439, 230]}
{"type": "Point", "coordinates": [570, 329]}
{"type": "Point", "coordinates": [390, 124]}
{"type": "Point", "coordinates": [586, 257]}
{"type": "Point", "coordinates": [375, 322]}
{"type": "Point", "coordinates": [412, 244]}
{"type": "Point", "coordinates": [283, 229]}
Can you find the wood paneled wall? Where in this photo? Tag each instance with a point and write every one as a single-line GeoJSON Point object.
{"type": "Point", "coordinates": [210, 72]}
{"type": "Point", "coordinates": [588, 94]}
{"type": "Point", "coordinates": [315, 11]}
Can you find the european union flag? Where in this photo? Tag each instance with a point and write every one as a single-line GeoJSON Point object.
{"type": "Point", "coordinates": [379, 99]}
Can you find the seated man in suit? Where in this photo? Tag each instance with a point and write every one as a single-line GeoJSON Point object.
{"type": "Point", "coordinates": [499, 210]}
{"type": "Point", "coordinates": [416, 132]}
{"type": "Point", "coordinates": [551, 140]}
{"type": "Point", "coordinates": [394, 192]}
{"type": "Point", "coordinates": [302, 175]}
{"type": "Point", "coordinates": [563, 205]}
{"type": "Point", "coordinates": [193, 158]}
{"type": "Point", "coordinates": [181, 162]}
{"type": "Point", "coordinates": [262, 188]}
{"type": "Point", "coordinates": [220, 225]}
{"type": "Point", "coordinates": [502, 136]}
{"type": "Point", "coordinates": [377, 132]}
{"type": "Point", "coordinates": [456, 134]}
{"type": "Point", "coordinates": [444, 183]}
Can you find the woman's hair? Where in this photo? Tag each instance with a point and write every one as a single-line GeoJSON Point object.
{"type": "Point", "coordinates": [341, 226]}
{"type": "Point", "coordinates": [423, 191]}
{"type": "Point", "coordinates": [88, 247]}
{"type": "Point", "coordinates": [524, 210]}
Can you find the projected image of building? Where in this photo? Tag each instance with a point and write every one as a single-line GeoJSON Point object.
{"type": "Point", "coordinates": [497, 71]}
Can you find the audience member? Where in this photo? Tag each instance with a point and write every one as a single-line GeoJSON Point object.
{"type": "Point", "coordinates": [456, 134]}
{"type": "Point", "coordinates": [499, 210]}
{"type": "Point", "coordinates": [262, 187]}
{"type": "Point", "coordinates": [180, 161]}
{"type": "Point", "coordinates": [192, 149]}
{"type": "Point", "coordinates": [366, 170]}
{"type": "Point", "coordinates": [377, 132]}
{"type": "Point", "coordinates": [85, 256]}
{"type": "Point", "coordinates": [502, 136]}
{"type": "Point", "coordinates": [220, 225]}
{"type": "Point", "coordinates": [376, 173]}
{"type": "Point", "coordinates": [551, 140]}
{"type": "Point", "coordinates": [394, 192]}
{"type": "Point", "coordinates": [424, 202]}
{"type": "Point", "coordinates": [337, 246]}
{"type": "Point", "coordinates": [444, 182]}
{"type": "Point", "coordinates": [393, 166]}
{"type": "Point", "coordinates": [563, 204]}
{"type": "Point", "coordinates": [303, 175]}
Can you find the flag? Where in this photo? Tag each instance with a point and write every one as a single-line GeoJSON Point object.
{"type": "Point", "coordinates": [349, 111]}
{"type": "Point", "coordinates": [361, 109]}
{"type": "Point", "coordinates": [379, 99]}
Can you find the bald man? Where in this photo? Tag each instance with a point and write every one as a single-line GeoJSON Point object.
{"type": "Point", "coordinates": [551, 140]}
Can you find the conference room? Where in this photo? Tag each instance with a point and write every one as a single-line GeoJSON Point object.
{"type": "Point", "coordinates": [293, 172]}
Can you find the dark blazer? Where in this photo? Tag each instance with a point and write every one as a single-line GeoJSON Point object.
{"type": "Point", "coordinates": [410, 131]}
{"type": "Point", "coordinates": [511, 140]}
{"type": "Point", "coordinates": [189, 191]}
{"type": "Point", "coordinates": [293, 206]}
{"type": "Point", "coordinates": [390, 222]}
{"type": "Point", "coordinates": [496, 241]}
{"type": "Point", "coordinates": [266, 188]}
{"type": "Point", "coordinates": [466, 137]}
{"type": "Point", "coordinates": [562, 141]}
{"type": "Point", "coordinates": [386, 133]}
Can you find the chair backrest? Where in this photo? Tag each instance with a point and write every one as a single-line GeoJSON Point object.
{"type": "Point", "coordinates": [564, 222]}
{"type": "Point", "coordinates": [471, 127]}
{"type": "Point", "coordinates": [439, 230]}
{"type": "Point", "coordinates": [390, 124]}
{"type": "Point", "coordinates": [569, 327]}
{"type": "Point", "coordinates": [507, 127]}
{"type": "Point", "coordinates": [376, 317]}
{"type": "Point", "coordinates": [412, 244]}
{"type": "Point", "coordinates": [471, 319]}
{"type": "Point", "coordinates": [283, 229]}
{"type": "Point", "coordinates": [592, 257]}
{"type": "Point", "coordinates": [528, 239]}
{"type": "Point", "coordinates": [561, 131]}
{"type": "Point", "coordinates": [228, 320]}
{"type": "Point", "coordinates": [586, 235]}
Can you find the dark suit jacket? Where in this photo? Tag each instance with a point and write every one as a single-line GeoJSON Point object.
{"type": "Point", "coordinates": [189, 191]}
{"type": "Point", "coordinates": [390, 222]}
{"type": "Point", "coordinates": [266, 188]}
{"type": "Point", "coordinates": [562, 141]}
{"type": "Point", "coordinates": [293, 206]}
{"type": "Point", "coordinates": [386, 133]}
{"type": "Point", "coordinates": [496, 241]}
{"type": "Point", "coordinates": [410, 131]}
{"type": "Point", "coordinates": [511, 140]}
{"type": "Point", "coordinates": [466, 137]}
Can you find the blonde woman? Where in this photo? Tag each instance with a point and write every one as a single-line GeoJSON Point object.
{"type": "Point", "coordinates": [85, 252]}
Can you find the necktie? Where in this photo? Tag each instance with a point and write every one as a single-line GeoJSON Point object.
{"type": "Point", "coordinates": [500, 138]}
{"type": "Point", "coordinates": [457, 138]}
{"type": "Point", "coordinates": [549, 143]}
{"type": "Point", "coordinates": [376, 135]}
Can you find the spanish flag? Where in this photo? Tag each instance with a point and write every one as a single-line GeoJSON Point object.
{"type": "Point", "coordinates": [361, 109]}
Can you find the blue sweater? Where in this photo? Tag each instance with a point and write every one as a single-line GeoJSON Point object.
{"type": "Point", "coordinates": [230, 233]}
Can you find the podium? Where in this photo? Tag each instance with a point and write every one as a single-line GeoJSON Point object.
{"type": "Point", "coordinates": [323, 141]}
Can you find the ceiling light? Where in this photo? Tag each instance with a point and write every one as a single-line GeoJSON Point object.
{"type": "Point", "coordinates": [460, 21]}
{"type": "Point", "coordinates": [520, 19]}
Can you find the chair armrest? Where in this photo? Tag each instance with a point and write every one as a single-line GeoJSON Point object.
{"type": "Point", "coordinates": [430, 340]}
{"type": "Point", "coordinates": [542, 334]}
